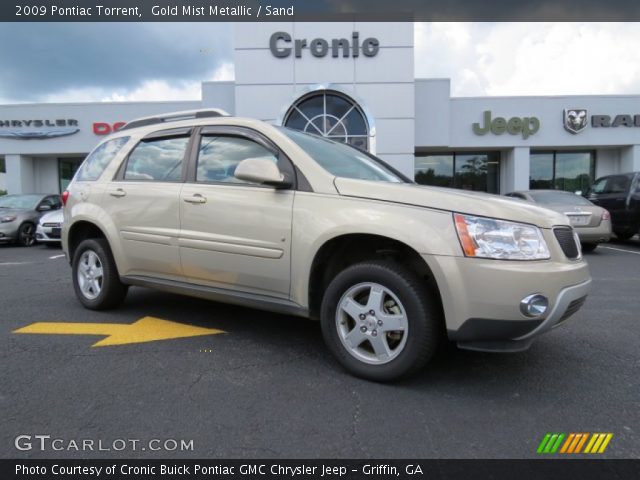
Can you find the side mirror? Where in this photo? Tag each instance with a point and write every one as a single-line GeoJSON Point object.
{"type": "Point", "coordinates": [578, 192]}
{"type": "Point", "coordinates": [44, 208]}
{"type": "Point", "coordinates": [262, 171]}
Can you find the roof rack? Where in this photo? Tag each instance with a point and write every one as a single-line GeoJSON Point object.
{"type": "Point", "coordinates": [174, 116]}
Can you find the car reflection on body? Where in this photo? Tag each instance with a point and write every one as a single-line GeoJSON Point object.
{"type": "Point", "coordinates": [591, 223]}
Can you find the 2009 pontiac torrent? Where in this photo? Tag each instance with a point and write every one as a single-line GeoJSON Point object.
{"type": "Point", "coordinates": [241, 211]}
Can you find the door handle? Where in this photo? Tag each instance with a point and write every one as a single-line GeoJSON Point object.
{"type": "Point", "coordinates": [118, 192]}
{"type": "Point", "coordinates": [195, 198]}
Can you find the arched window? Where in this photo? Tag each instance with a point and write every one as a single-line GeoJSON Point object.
{"type": "Point", "coordinates": [330, 114]}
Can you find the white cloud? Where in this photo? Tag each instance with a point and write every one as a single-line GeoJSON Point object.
{"type": "Point", "coordinates": [531, 58]}
{"type": "Point", "coordinates": [150, 90]}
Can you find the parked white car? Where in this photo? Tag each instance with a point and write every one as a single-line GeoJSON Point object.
{"type": "Point", "coordinates": [49, 227]}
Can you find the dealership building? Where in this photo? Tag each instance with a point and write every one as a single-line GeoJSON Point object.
{"type": "Point", "coordinates": [355, 82]}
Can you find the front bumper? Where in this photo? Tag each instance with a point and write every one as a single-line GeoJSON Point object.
{"type": "Point", "coordinates": [48, 234]}
{"type": "Point", "coordinates": [8, 232]}
{"type": "Point", "coordinates": [569, 301]}
{"type": "Point", "coordinates": [481, 298]}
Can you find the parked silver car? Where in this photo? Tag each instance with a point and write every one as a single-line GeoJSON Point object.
{"type": "Point", "coordinates": [49, 228]}
{"type": "Point", "coordinates": [19, 215]}
{"type": "Point", "coordinates": [591, 222]}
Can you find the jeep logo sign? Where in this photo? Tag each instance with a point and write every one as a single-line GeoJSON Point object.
{"type": "Point", "coordinates": [525, 126]}
{"type": "Point", "coordinates": [281, 45]}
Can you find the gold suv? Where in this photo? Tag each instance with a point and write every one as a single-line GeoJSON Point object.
{"type": "Point", "coordinates": [241, 211]}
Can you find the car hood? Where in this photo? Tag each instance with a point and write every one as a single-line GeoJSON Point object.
{"type": "Point", "coordinates": [462, 201]}
{"type": "Point", "coordinates": [14, 211]}
{"type": "Point", "coordinates": [52, 217]}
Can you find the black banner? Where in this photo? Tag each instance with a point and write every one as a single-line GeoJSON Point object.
{"type": "Point", "coordinates": [321, 469]}
{"type": "Point", "coordinates": [320, 10]}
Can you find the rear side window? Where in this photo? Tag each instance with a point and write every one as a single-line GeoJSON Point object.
{"type": "Point", "coordinates": [613, 184]}
{"type": "Point", "coordinates": [158, 159]}
{"type": "Point", "coordinates": [97, 161]}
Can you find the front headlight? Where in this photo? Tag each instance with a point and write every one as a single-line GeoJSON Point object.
{"type": "Point", "coordinates": [491, 238]}
{"type": "Point", "coordinates": [7, 218]}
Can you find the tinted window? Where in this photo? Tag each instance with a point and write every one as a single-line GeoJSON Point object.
{"type": "Point", "coordinates": [558, 198]}
{"type": "Point", "coordinates": [342, 161]}
{"type": "Point", "coordinates": [158, 160]}
{"type": "Point", "coordinates": [97, 161]}
{"type": "Point", "coordinates": [219, 156]}
{"type": "Point", "coordinates": [614, 184]}
{"type": "Point", "coordinates": [53, 201]}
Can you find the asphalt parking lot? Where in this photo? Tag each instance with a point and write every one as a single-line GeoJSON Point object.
{"type": "Point", "coordinates": [268, 388]}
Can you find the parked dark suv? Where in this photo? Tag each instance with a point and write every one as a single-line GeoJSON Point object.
{"type": "Point", "coordinates": [620, 194]}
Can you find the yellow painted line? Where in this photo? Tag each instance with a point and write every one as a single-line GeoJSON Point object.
{"type": "Point", "coordinates": [147, 329]}
{"type": "Point", "coordinates": [567, 442]}
{"type": "Point", "coordinates": [606, 441]}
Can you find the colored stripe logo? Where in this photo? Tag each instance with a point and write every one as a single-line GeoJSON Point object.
{"type": "Point", "coordinates": [574, 443]}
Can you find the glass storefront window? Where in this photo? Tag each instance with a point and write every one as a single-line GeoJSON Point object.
{"type": "Point", "coordinates": [66, 170]}
{"type": "Point", "coordinates": [569, 171]}
{"type": "Point", "coordinates": [467, 171]}
{"type": "Point", "coordinates": [434, 170]}
{"type": "Point", "coordinates": [541, 171]}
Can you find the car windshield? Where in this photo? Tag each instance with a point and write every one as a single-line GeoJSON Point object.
{"type": "Point", "coordinates": [558, 198]}
{"type": "Point", "coordinates": [25, 202]}
{"type": "Point", "coordinates": [342, 160]}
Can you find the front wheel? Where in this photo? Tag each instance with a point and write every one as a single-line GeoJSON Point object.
{"type": "Point", "coordinates": [27, 234]}
{"type": "Point", "coordinates": [589, 247]}
{"type": "Point", "coordinates": [380, 320]}
{"type": "Point", "coordinates": [95, 276]}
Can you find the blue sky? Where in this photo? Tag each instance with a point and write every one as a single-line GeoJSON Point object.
{"type": "Point", "coordinates": [154, 61]}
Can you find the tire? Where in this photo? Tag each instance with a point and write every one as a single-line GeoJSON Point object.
{"type": "Point", "coordinates": [589, 247]}
{"type": "Point", "coordinates": [27, 235]}
{"type": "Point", "coordinates": [97, 292]}
{"type": "Point", "coordinates": [624, 234]}
{"type": "Point", "coordinates": [406, 301]}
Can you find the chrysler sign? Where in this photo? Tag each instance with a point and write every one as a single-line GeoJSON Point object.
{"type": "Point", "coordinates": [38, 128]}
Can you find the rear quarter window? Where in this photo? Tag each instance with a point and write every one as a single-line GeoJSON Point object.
{"type": "Point", "coordinates": [97, 161]}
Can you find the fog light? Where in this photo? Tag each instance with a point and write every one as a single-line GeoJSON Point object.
{"type": "Point", "coordinates": [534, 305]}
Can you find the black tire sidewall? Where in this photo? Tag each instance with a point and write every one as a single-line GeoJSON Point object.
{"type": "Point", "coordinates": [112, 291]}
{"type": "Point", "coordinates": [423, 332]}
{"type": "Point", "coordinates": [22, 227]}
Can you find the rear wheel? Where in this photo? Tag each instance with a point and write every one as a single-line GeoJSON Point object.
{"type": "Point", "coordinates": [27, 234]}
{"type": "Point", "coordinates": [95, 276]}
{"type": "Point", "coordinates": [589, 247]}
{"type": "Point", "coordinates": [380, 320]}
